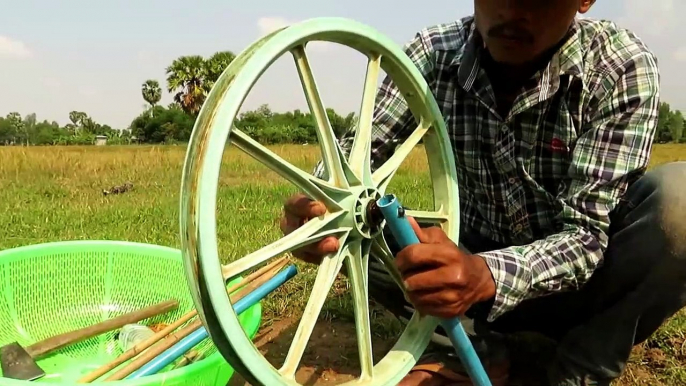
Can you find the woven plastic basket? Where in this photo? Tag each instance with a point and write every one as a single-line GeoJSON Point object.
{"type": "Point", "coordinates": [51, 288]}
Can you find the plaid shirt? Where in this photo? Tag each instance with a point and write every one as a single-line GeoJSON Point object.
{"type": "Point", "coordinates": [544, 179]}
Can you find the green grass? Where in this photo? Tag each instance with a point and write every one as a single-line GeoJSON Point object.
{"type": "Point", "coordinates": [55, 193]}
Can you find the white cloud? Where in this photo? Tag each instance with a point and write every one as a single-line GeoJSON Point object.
{"type": "Point", "coordinates": [52, 83]}
{"type": "Point", "coordinates": [655, 17]}
{"type": "Point", "coordinates": [10, 48]}
{"type": "Point", "coordinates": [680, 54]}
{"type": "Point", "coordinates": [87, 91]}
{"type": "Point", "coordinates": [271, 24]}
{"type": "Point", "coordinates": [268, 25]}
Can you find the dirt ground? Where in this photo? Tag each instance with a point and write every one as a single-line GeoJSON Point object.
{"type": "Point", "coordinates": [331, 356]}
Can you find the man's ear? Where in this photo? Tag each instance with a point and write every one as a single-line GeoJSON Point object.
{"type": "Point", "coordinates": [585, 5]}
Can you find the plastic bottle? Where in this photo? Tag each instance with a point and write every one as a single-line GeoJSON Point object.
{"type": "Point", "coordinates": [132, 334]}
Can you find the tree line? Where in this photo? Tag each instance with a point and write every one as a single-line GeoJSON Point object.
{"type": "Point", "coordinates": [670, 125]}
{"type": "Point", "coordinates": [189, 79]}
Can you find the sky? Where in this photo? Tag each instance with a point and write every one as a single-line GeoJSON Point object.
{"type": "Point", "coordinates": [93, 56]}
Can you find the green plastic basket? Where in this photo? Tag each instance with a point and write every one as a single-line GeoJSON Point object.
{"type": "Point", "coordinates": [52, 288]}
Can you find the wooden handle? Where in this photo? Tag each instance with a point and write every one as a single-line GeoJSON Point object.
{"type": "Point", "coordinates": [62, 340]}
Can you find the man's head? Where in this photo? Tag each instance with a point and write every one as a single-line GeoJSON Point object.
{"type": "Point", "coordinates": [519, 31]}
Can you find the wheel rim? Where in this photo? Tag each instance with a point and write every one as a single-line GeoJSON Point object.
{"type": "Point", "coordinates": [350, 185]}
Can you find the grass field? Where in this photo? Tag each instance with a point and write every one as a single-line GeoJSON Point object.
{"type": "Point", "coordinates": [55, 193]}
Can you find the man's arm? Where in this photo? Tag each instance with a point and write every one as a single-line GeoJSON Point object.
{"type": "Point", "coordinates": [393, 121]}
{"type": "Point", "coordinates": [613, 150]}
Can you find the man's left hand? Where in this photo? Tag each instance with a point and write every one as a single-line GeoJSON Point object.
{"type": "Point", "coordinates": [441, 279]}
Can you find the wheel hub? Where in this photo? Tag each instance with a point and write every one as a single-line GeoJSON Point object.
{"type": "Point", "coordinates": [365, 226]}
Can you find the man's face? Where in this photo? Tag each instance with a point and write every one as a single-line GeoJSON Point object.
{"type": "Point", "coordinates": [518, 31]}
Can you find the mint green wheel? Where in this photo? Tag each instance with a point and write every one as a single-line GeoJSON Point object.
{"type": "Point", "coordinates": [349, 188]}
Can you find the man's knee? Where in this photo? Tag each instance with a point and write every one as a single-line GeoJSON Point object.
{"type": "Point", "coordinates": [657, 205]}
{"type": "Point", "coordinates": [667, 183]}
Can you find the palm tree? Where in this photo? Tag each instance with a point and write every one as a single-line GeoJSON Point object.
{"type": "Point", "coordinates": [152, 92]}
{"type": "Point", "coordinates": [77, 118]}
{"type": "Point", "coordinates": [186, 76]}
{"type": "Point", "coordinates": [215, 66]}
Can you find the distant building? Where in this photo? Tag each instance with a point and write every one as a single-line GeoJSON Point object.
{"type": "Point", "coordinates": [101, 140]}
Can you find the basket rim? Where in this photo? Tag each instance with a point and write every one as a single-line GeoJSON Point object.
{"type": "Point", "coordinates": [12, 252]}
{"type": "Point", "coordinates": [253, 315]}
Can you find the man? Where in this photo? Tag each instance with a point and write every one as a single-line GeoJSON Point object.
{"type": "Point", "coordinates": [552, 120]}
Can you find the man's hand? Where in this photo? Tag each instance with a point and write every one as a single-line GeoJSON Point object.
{"type": "Point", "coordinates": [442, 280]}
{"type": "Point", "coordinates": [298, 209]}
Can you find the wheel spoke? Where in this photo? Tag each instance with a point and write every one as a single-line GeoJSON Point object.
{"type": "Point", "coordinates": [383, 175]}
{"type": "Point", "coordinates": [360, 155]}
{"type": "Point", "coordinates": [313, 231]}
{"type": "Point", "coordinates": [326, 274]}
{"type": "Point", "coordinates": [333, 158]}
{"type": "Point", "coordinates": [437, 217]}
{"type": "Point", "coordinates": [358, 266]}
{"type": "Point", "coordinates": [307, 183]}
{"type": "Point", "coordinates": [382, 252]}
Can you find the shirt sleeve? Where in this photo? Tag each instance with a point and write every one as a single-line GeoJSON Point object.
{"type": "Point", "coordinates": [393, 121]}
{"type": "Point", "coordinates": [613, 150]}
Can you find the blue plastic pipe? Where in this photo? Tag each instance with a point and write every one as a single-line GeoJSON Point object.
{"type": "Point", "coordinates": [194, 338]}
{"type": "Point", "coordinates": [404, 234]}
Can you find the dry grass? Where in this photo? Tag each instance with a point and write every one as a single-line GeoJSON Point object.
{"type": "Point", "coordinates": [55, 193]}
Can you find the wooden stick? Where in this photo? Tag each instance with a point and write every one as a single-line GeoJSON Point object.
{"type": "Point", "coordinates": [154, 351]}
{"type": "Point", "coordinates": [137, 349]}
{"type": "Point", "coordinates": [172, 339]}
{"type": "Point", "coordinates": [167, 331]}
{"type": "Point", "coordinates": [62, 340]}
{"type": "Point", "coordinates": [280, 263]}
{"type": "Point", "coordinates": [141, 346]}
{"type": "Point", "coordinates": [254, 284]}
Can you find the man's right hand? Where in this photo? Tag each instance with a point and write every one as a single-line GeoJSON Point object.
{"type": "Point", "coordinates": [299, 209]}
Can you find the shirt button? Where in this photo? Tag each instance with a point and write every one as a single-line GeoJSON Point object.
{"type": "Point", "coordinates": [518, 228]}
{"type": "Point", "coordinates": [512, 180]}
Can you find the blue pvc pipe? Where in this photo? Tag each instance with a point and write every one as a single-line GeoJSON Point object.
{"type": "Point", "coordinates": [404, 234]}
{"type": "Point", "coordinates": [194, 338]}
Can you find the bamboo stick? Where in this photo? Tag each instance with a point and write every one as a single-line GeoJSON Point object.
{"type": "Point", "coordinates": [267, 268]}
{"type": "Point", "coordinates": [173, 338]}
{"type": "Point", "coordinates": [141, 346]}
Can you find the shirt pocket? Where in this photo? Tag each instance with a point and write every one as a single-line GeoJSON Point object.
{"type": "Point", "coordinates": [552, 152]}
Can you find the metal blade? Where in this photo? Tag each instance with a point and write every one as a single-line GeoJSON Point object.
{"type": "Point", "coordinates": [16, 363]}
